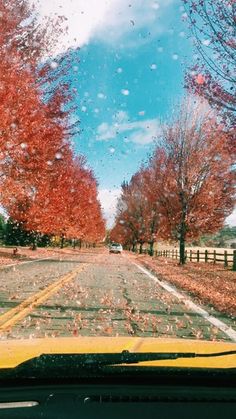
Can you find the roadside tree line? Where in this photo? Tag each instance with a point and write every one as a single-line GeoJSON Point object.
{"type": "Point", "coordinates": [44, 186]}
{"type": "Point", "coordinates": [187, 187]}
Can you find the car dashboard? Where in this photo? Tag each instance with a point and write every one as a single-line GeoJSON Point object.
{"type": "Point", "coordinates": [119, 398]}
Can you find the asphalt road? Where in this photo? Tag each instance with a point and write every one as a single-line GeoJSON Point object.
{"type": "Point", "coordinates": [98, 294]}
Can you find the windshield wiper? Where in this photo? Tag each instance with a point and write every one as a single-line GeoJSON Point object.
{"type": "Point", "coordinates": [126, 357]}
{"type": "Point", "coordinates": [88, 360]}
{"type": "Point", "coordinates": [90, 364]}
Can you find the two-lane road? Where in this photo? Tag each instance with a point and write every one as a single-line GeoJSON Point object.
{"type": "Point", "coordinates": [100, 294]}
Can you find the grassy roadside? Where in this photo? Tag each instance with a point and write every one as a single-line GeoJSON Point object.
{"type": "Point", "coordinates": [209, 284]}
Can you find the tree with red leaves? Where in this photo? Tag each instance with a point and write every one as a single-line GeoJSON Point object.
{"type": "Point", "coordinates": [137, 217]}
{"type": "Point", "coordinates": [193, 176]}
{"type": "Point", "coordinates": [213, 26]}
{"type": "Point", "coordinates": [42, 185]}
{"type": "Point", "coordinates": [187, 188]}
{"type": "Point", "coordinates": [130, 214]}
{"type": "Point", "coordinates": [21, 32]}
{"type": "Point", "coordinates": [32, 141]}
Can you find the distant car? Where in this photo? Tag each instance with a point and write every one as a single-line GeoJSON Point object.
{"type": "Point", "coordinates": [115, 248]}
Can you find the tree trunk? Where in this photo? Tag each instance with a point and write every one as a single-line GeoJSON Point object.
{"type": "Point", "coordinates": [151, 251]}
{"type": "Point", "coordinates": [62, 241]}
{"type": "Point", "coordinates": [182, 245]}
{"type": "Point", "coordinates": [141, 248]}
{"type": "Point", "coordinates": [182, 232]}
{"type": "Point", "coordinates": [133, 247]}
{"type": "Point", "coordinates": [74, 243]}
{"type": "Point", "coordinates": [34, 243]}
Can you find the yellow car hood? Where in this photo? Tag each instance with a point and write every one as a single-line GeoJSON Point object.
{"type": "Point", "coordinates": [14, 352]}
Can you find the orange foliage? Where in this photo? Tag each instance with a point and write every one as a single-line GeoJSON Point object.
{"type": "Point", "coordinates": [188, 186]}
{"type": "Point", "coordinates": [42, 184]}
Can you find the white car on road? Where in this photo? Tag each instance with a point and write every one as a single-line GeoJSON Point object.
{"type": "Point", "coordinates": [115, 248]}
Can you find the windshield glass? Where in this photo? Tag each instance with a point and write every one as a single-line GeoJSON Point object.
{"type": "Point", "coordinates": [117, 160]}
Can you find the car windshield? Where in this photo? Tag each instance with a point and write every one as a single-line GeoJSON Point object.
{"type": "Point", "coordinates": [117, 187]}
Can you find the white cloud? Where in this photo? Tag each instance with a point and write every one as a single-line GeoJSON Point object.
{"type": "Point", "coordinates": [129, 19]}
{"type": "Point", "coordinates": [140, 132]}
{"type": "Point", "coordinates": [108, 199]}
{"type": "Point", "coordinates": [108, 20]}
{"type": "Point", "coordinates": [82, 17]}
{"type": "Point", "coordinates": [231, 220]}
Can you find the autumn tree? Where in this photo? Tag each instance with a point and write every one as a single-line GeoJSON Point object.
{"type": "Point", "coordinates": [64, 204]}
{"type": "Point", "coordinates": [188, 186]}
{"type": "Point", "coordinates": [212, 24]}
{"type": "Point", "coordinates": [137, 218]}
{"type": "Point", "coordinates": [33, 147]}
{"type": "Point", "coordinates": [194, 178]}
{"type": "Point", "coordinates": [22, 33]}
{"type": "Point", "coordinates": [30, 135]}
{"type": "Point", "coordinates": [43, 186]}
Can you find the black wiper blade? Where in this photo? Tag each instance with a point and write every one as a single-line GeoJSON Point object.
{"type": "Point", "coordinates": [106, 359]}
{"type": "Point", "coordinates": [126, 357]}
{"type": "Point", "coordinates": [88, 364]}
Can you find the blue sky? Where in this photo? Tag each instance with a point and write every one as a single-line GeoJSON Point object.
{"type": "Point", "coordinates": [133, 56]}
{"type": "Point", "coordinates": [125, 91]}
{"type": "Point", "coordinates": [124, 94]}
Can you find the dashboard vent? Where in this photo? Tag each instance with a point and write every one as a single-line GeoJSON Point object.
{"type": "Point", "coordinates": [159, 398]}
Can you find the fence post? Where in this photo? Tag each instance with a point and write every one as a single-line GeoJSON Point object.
{"type": "Point", "coordinates": [198, 255]}
{"type": "Point", "coordinates": [214, 257]}
{"type": "Point", "coordinates": [186, 255]}
{"type": "Point", "coordinates": [206, 256]}
{"type": "Point", "coordinates": [225, 259]}
{"type": "Point", "coordinates": [176, 254]}
{"type": "Point", "coordinates": [190, 256]}
{"type": "Point", "coordinates": [234, 260]}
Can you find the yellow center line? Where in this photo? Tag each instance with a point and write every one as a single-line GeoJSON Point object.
{"type": "Point", "coordinates": [11, 317]}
